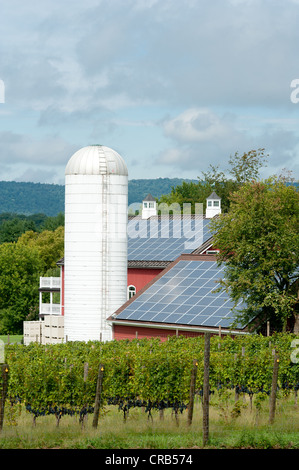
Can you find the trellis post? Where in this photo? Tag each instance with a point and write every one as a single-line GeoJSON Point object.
{"type": "Point", "coordinates": [273, 389]}
{"type": "Point", "coordinates": [4, 374]}
{"type": "Point", "coordinates": [192, 391]}
{"type": "Point", "coordinates": [98, 396]}
{"type": "Point", "coordinates": [206, 389]}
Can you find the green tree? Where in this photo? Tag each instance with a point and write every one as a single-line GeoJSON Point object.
{"type": "Point", "coordinates": [246, 167]}
{"type": "Point", "coordinates": [52, 223]}
{"type": "Point", "coordinates": [259, 244]}
{"type": "Point", "coordinates": [242, 168]}
{"type": "Point", "coordinates": [12, 229]}
{"type": "Point", "coordinates": [49, 244]}
{"type": "Point", "coordinates": [19, 281]}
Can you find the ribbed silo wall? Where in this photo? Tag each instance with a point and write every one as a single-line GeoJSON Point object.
{"type": "Point", "coordinates": [95, 253]}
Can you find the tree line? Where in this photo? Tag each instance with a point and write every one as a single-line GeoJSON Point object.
{"type": "Point", "coordinates": [12, 225]}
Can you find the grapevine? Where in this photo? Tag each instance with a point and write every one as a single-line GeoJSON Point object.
{"type": "Point", "coordinates": [60, 379]}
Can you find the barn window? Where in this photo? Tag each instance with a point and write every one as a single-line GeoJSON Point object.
{"type": "Point", "coordinates": [131, 291]}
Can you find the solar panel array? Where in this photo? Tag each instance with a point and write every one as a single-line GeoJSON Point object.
{"type": "Point", "coordinates": [165, 239]}
{"type": "Point", "coordinates": [184, 295]}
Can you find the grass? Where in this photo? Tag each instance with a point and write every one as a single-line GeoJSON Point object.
{"type": "Point", "coordinates": [227, 431]}
{"type": "Point", "coordinates": [11, 338]}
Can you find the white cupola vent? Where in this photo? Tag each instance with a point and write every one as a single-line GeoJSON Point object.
{"type": "Point", "coordinates": [213, 205]}
{"type": "Point", "coordinates": [149, 207]}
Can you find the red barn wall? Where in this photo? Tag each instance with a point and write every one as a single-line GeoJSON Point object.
{"type": "Point", "coordinates": [140, 277]}
{"type": "Point", "coordinates": [129, 332]}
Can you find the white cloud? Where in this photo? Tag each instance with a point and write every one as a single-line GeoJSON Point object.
{"type": "Point", "coordinates": [200, 137]}
{"type": "Point", "coordinates": [34, 175]}
{"type": "Point", "coordinates": [198, 125]}
{"type": "Point", "coordinates": [18, 148]}
{"type": "Point", "coordinates": [84, 70]}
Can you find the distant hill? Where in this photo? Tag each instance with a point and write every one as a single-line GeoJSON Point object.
{"type": "Point", "coordinates": [48, 199]}
{"type": "Point", "coordinates": [31, 198]}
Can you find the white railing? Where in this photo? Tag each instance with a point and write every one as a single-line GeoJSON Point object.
{"type": "Point", "coordinates": [50, 309]}
{"type": "Point", "coordinates": [50, 282]}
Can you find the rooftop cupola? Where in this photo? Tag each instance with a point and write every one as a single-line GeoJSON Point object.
{"type": "Point", "coordinates": [213, 205]}
{"type": "Point", "coordinates": [149, 207]}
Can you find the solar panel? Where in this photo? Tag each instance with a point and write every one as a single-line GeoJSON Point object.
{"type": "Point", "coordinates": [165, 239]}
{"type": "Point", "coordinates": [184, 295]}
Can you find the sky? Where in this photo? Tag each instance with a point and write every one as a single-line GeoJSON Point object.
{"type": "Point", "coordinates": [173, 86]}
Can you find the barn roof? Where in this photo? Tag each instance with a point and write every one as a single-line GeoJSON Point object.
{"type": "Point", "coordinates": [160, 238]}
{"type": "Point", "coordinates": [183, 295]}
{"type": "Point", "coordinates": [157, 241]}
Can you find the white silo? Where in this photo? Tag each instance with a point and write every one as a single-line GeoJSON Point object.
{"type": "Point", "coordinates": [96, 205]}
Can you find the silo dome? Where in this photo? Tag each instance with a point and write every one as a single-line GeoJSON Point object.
{"type": "Point", "coordinates": [95, 259]}
{"type": "Point", "coordinates": [96, 160]}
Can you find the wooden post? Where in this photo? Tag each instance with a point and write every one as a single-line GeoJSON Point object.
{"type": "Point", "coordinates": [237, 396]}
{"type": "Point", "coordinates": [85, 375]}
{"type": "Point", "coordinates": [85, 371]}
{"type": "Point", "coordinates": [268, 328]}
{"type": "Point", "coordinates": [192, 391]}
{"type": "Point", "coordinates": [98, 397]}
{"type": "Point", "coordinates": [5, 369]}
{"type": "Point", "coordinates": [273, 389]}
{"type": "Point", "coordinates": [206, 389]}
{"type": "Point", "coordinates": [243, 355]}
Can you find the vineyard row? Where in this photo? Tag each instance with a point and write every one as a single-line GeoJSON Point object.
{"type": "Point", "coordinates": [63, 379]}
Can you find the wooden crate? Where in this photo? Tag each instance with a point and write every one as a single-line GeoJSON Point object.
{"type": "Point", "coordinates": [32, 331]}
{"type": "Point", "coordinates": [53, 330]}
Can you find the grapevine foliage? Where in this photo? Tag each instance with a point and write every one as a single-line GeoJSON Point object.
{"type": "Point", "coordinates": [61, 379]}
